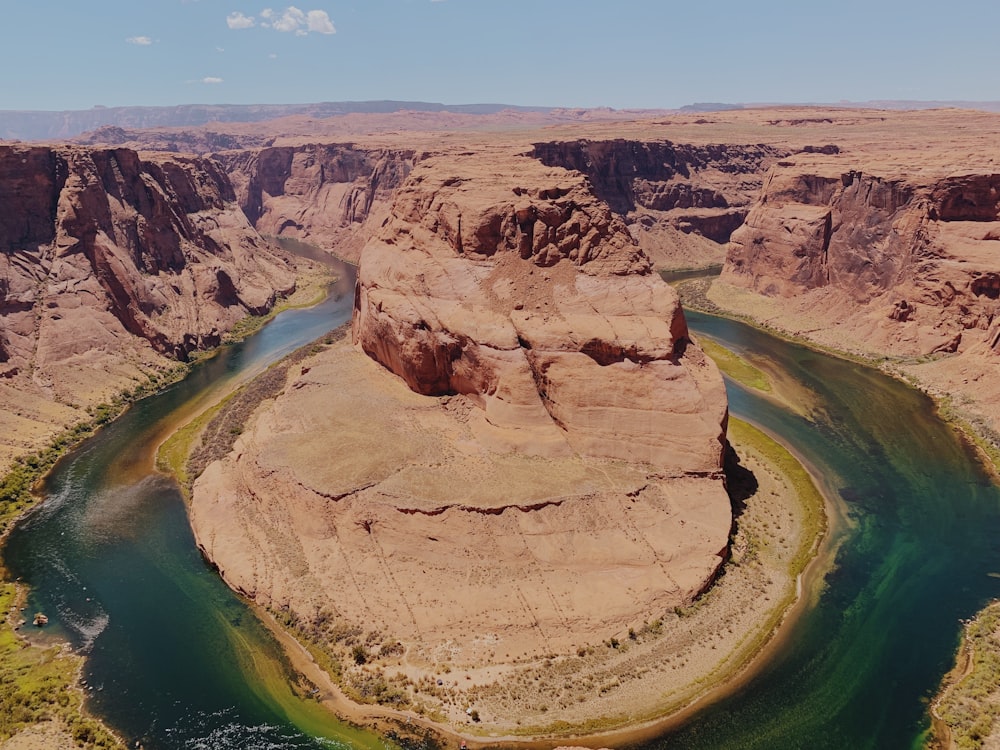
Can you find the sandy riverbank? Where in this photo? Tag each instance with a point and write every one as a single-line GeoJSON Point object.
{"type": "Point", "coordinates": [965, 710]}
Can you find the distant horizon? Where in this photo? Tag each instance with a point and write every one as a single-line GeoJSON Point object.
{"type": "Point", "coordinates": [694, 106]}
{"type": "Point", "coordinates": [62, 55]}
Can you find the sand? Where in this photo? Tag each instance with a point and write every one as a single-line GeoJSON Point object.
{"type": "Point", "coordinates": [49, 735]}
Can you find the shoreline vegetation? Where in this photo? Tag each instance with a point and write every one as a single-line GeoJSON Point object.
{"type": "Point", "coordinates": [705, 649]}
{"type": "Point", "coordinates": [965, 710]}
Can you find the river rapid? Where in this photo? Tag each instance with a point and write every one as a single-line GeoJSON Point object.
{"type": "Point", "coordinates": [176, 660]}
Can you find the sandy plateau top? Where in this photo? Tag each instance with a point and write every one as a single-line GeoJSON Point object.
{"type": "Point", "coordinates": [908, 141]}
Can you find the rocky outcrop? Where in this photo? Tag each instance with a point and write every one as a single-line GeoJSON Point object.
{"type": "Point", "coordinates": [513, 284]}
{"type": "Point", "coordinates": [108, 257]}
{"type": "Point", "coordinates": [520, 455]}
{"type": "Point", "coordinates": [334, 195]}
{"type": "Point", "coordinates": [910, 257]}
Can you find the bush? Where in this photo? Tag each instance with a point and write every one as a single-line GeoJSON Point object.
{"type": "Point", "coordinates": [359, 654]}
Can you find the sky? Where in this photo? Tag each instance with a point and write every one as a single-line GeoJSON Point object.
{"type": "Point", "coordinates": [77, 54]}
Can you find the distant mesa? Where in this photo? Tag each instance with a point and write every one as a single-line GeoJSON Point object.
{"type": "Point", "coordinates": [44, 125]}
{"type": "Point", "coordinates": [710, 107]}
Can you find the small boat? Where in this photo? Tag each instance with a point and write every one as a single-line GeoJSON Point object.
{"type": "Point", "coordinates": [40, 619]}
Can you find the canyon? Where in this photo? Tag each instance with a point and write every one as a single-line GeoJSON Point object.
{"type": "Point", "coordinates": [521, 422]}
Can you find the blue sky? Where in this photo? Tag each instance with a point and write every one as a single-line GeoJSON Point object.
{"type": "Point", "coordinates": [74, 54]}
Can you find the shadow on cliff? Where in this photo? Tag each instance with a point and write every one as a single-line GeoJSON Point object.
{"type": "Point", "coordinates": [741, 483]}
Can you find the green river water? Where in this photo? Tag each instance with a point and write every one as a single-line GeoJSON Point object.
{"type": "Point", "coordinates": [175, 660]}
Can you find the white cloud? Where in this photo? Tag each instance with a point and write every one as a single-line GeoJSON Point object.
{"type": "Point", "coordinates": [140, 41]}
{"type": "Point", "coordinates": [211, 80]}
{"type": "Point", "coordinates": [319, 21]}
{"type": "Point", "coordinates": [237, 20]}
{"type": "Point", "coordinates": [290, 20]}
{"type": "Point", "coordinates": [272, 56]}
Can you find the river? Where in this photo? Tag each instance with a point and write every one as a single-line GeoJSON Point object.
{"type": "Point", "coordinates": [175, 660]}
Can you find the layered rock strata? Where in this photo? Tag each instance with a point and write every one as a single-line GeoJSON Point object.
{"type": "Point", "coordinates": [680, 201]}
{"type": "Point", "coordinates": [111, 262]}
{"type": "Point", "coordinates": [516, 286]}
{"type": "Point", "coordinates": [526, 461]}
{"type": "Point", "coordinates": [912, 258]}
{"type": "Point", "coordinates": [332, 194]}
{"type": "Point", "coordinates": [883, 261]}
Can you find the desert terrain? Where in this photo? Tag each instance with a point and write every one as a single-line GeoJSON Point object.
{"type": "Point", "coordinates": [521, 425]}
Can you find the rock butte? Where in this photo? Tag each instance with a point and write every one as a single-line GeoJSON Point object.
{"type": "Point", "coordinates": [542, 435]}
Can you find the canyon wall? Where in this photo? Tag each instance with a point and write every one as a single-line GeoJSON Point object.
{"type": "Point", "coordinates": [111, 263]}
{"type": "Point", "coordinates": [333, 195]}
{"type": "Point", "coordinates": [681, 202]}
{"type": "Point", "coordinates": [513, 283]}
{"type": "Point", "coordinates": [911, 259]}
{"type": "Point", "coordinates": [883, 260]}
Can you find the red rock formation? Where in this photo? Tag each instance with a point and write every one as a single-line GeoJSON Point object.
{"type": "Point", "coordinates": [510, 282]}
{"type": "Point", "coordinates": [553, 438]}
{"type": "Point", "coordinates": [158, 243]}
{"type": "Point", "coordinates": [334, 195]}
{"type": "Point", "coordinates": [909, 257]}
{"type": "Point", "coordinates": [659, 185]}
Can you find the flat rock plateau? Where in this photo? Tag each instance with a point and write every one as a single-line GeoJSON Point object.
{"type": "Point", "coordinates": [517, 457]}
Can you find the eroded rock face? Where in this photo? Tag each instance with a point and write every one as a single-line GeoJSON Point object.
{"type": "Point", "coordinates": [511, 283]}
{"type": "Point", "coordinates": [679, 202]}
{"type": "Point", "coordinates": [109, 259]}
{"type": "Point", "coordinates": [334, 195]}
{"type": "Point", "coordinates": [910, 257]}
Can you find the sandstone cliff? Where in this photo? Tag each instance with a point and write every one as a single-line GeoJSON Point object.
{"type": "Point", "coordinates": [109, 262]}
{"type": "Point", "coordinates": [681, 201]}
{"type": "Point", "coordinates": [333, 195]}
{"type": "Point", "coordinates": [514, 284]}
{"type": "Point", "coordinates": [911, 257]}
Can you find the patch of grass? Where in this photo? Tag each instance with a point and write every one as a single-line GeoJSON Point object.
{"type": "Point", "coordinates": [37, 683]}
{"type": "Point", "coordinates": [735, 366]}
{"type": "Point", "coordinates": [172, 455]}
